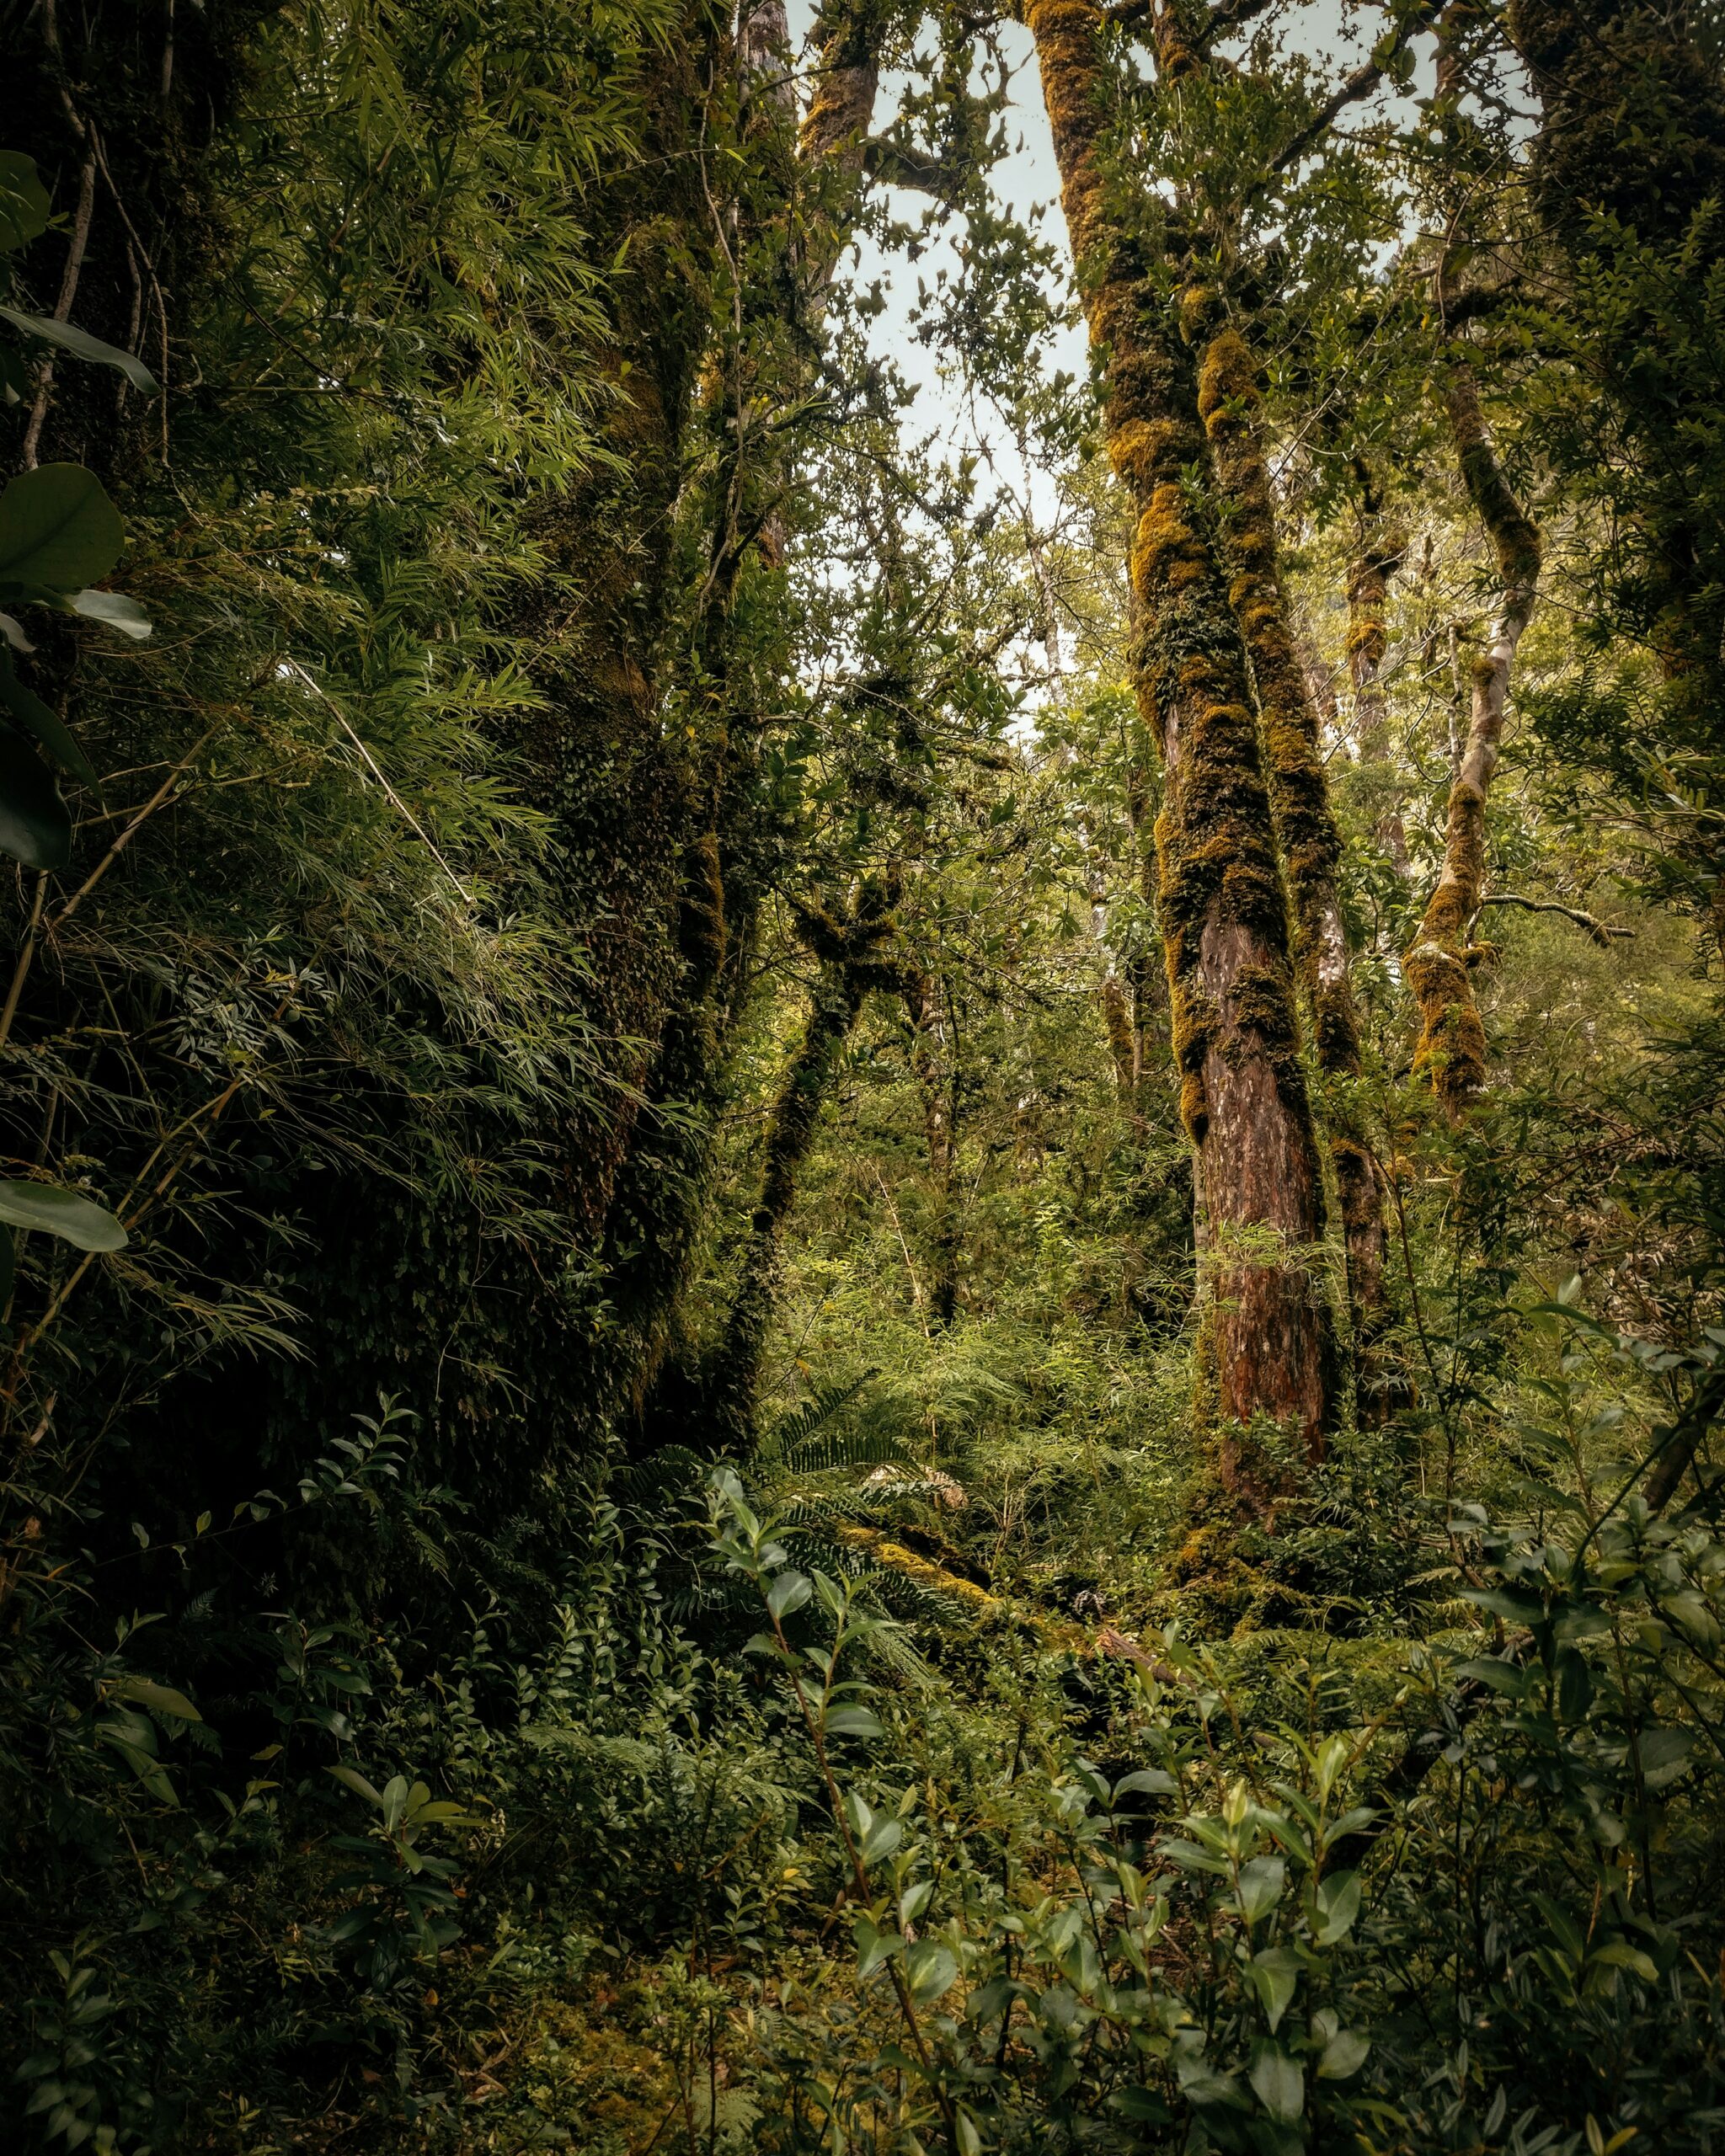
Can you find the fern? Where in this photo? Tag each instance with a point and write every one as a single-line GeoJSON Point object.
{"type": "Point", "coordinates": [802, 1423]}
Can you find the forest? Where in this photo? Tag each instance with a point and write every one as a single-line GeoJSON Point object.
{"type": "Point", "coordinates": [863, 1075]}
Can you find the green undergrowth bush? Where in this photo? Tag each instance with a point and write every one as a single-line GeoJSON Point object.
{"type": "Point", "coordinates": [1441, 1875]}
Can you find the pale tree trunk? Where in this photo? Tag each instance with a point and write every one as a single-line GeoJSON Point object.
{"type": "Point", "coordinates": [1268, 1344]}
{"type": "Point", "coordinates": [1381, 550]}
{"type": "Point", "coordinates": [1452, 1041]}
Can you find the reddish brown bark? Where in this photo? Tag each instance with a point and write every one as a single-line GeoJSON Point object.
{"type": "Point", "coordinates": [1267, 1347]}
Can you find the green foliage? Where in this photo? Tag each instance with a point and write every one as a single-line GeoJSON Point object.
{"type": "Point", "coordinates": [561, 651]}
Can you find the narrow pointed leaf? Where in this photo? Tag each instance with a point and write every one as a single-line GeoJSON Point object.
{"type": "Point", "coordinates": [76, 1219]}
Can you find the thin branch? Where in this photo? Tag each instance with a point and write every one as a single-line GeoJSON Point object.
{"type": "Point", "coordinates": [1360, 84]}
{"type": "Point", "coordinates": [1601, 932]}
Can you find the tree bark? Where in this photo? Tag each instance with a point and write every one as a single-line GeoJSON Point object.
{"type": "Point", "coordinates": [1306, 824]}
{"type": "Point", "coordinates": [1267, 1345]}
{"type": "Point", "coordinates": [1452, 1041]}
{"type": "Point", "coordinates": [1382, 551]}
{"type": "Point", "coordinates": [1633, 127]}
{"type": "Point", "coordinates": [755, 372]}
{"type": "Point", "coordinates": [851, 965]}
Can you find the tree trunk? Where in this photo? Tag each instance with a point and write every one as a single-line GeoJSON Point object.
{"type": "Point", "coordinates": [1633, 126]}
{"type": "Point", "coordinates": [851, 965]}
{"type": "Point", "coordinates": [1452, 1041]}
{"type": "Point", "coordinates": [1380, 552]}
{"type": "Point", "coordinates": [757, 369]}
{"type": "Point", "coordinates": [1267, 1346]}
{"type": "Point", "coordinates": [734, 1373]}
{"type": "Point", "coordinates": [1305, 822]}
{"type": "Point", "coordinates": [938, 1081]}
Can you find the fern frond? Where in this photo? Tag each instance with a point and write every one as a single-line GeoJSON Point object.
{"type": "Point", "coordinates": [814, 1413]}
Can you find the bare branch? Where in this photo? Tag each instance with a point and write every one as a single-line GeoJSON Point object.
{"type": "Point", "coordinates": [1599, 932]}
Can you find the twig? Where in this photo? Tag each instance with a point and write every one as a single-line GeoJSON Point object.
{"type": "Point", "coordinates": [1600, 931]}
{"type": "Point", "coordinates": [1360, 84]}
{"type": "Point", "coordinates": [62, 306]}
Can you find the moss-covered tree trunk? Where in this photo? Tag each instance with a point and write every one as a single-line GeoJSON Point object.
{"type": "Point", "coordinates": [1269, 1344]}
{"type": "Point", "coordinates": [851, 964]}
{"type": "Point", "coordinates": [1452, 1041]}
{"type": "Point", "coordinates": [1305, 822]}
{"type": "Point", "coordinates": [783, 229]}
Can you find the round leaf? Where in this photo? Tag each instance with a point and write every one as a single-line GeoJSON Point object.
{"type": "Point", "coordinates": [36, 826]}
{"type": "Point", "coordinates": [58, 530]}
{"type": "Point", "coordinates": [63, 1213]}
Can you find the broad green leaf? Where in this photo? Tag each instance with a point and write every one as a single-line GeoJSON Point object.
{"type": "Point", "coordinates": [989, 2001]}
{"type": "Point", "coordinates": [11, 630]}
{"type": "Point", "coordinates": [1152, 1781]}
{"type": "Point", "coordinates": [852, 1721]}
{"type": "Point", "coordinates": [1344, 2054]}
{"type": "Point", "coordinates": [874, 1947]}
{"type": "Point", "coordinates": [58, 530]}
{"type": "Point", "coordinates": [1516, 1609]}
{"type": "Point", "coordinates": [1691, 1609]}
{"type": "Point", "coordinates": [74, 1219]}
{"type": "Point", "coordinates": [40, 719]}
{"type": "Point", "coordinates": [1619, 1954]}
{"type": "Point", "coordinates": [789, 1591]}
{"type": "Point", "coordinates": [1564, 1928]}
{"type": "Point", "coordinates": [1261, 1884]}
{"type": "Point", "coordinates": [931, 1970]}
{"type": "Point", "coordinates": [1275, 1975]}
{"type": "Point", "coordinates": [1575, 1685]}
{"type": "Point", "coordinates": [883, 1838]}
{"type": "Point", "coordinates": [1338, 1904]}
{"type": "Point", "coordinates": [149, 1771]}
{"type": "Point", "coordinates": [1199, 2085]}
{"type": "Point", "coordinates": [116, 610]}
{"type": "Point", "coordinates": [1280, 2086]}
{"type": "Point", "coordinates": [353, 1779]}
{"type": "Point", "coordinates": [161, 1699]}
{"type": "Point", "coordinates": [1502, 1676]}
{"type": "Point", "coordinates": [1664, 1754]}
{"type": "Point", "coordinates": [80, 344]}
{"type": "Point", "coordinates": [25, 207]}
{"type": "Point", "coordinates": [35, 825]}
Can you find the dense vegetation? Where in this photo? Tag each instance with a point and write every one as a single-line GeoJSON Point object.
{"type": "Point", "coordinates": [864, 1211]}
